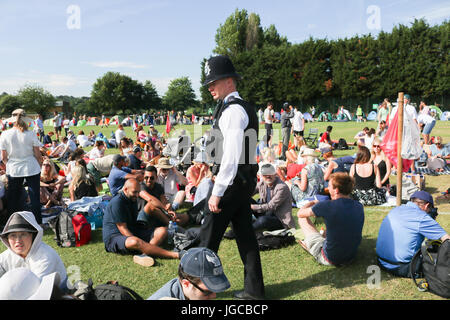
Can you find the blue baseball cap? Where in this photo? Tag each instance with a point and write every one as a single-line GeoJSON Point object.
{"type": "Point", "coordinates": [203, 263]}
{"type": "Point", "coordinates": [423, 195]}
{"type": "Point", "coordinates": [407, 96]}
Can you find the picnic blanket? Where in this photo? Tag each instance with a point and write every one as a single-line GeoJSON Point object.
{"type": "Point", "coordinates": [431, 172]}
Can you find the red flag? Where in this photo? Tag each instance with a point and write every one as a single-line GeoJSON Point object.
{"type": "Point", "coordinates": [389, 145]}
{"type": "Point", "coordinates": [168, 126]}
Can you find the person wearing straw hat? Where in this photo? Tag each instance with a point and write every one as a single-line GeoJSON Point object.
{"type": "Point", "coordinates": [196, 173]}
{"type": "Point", "coordinates": [23, 160]}
{"type": "Point", "coordinates": [169, 177]}
{"type": "Point", "coordinates": [311, 181]}
{"type": "Point", "coordinates": [235, 131]}
{"type": "Point", "coordinates": [200, 277]}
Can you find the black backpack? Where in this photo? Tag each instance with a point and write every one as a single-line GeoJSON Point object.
{"type": "Point", "coordinates": [267, 241]}
{"type": "Point", "coordinates": [107, 291]}
{"type": "Point", "coordinates": [113, 291]}
{"type": "Point", "coordinates": [435, 258]}
{"type": "Point", "coordinates": [342, 144]}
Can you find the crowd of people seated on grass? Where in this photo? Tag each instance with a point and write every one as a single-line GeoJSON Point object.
{"type": "Point", "coordinates": [146, 190]}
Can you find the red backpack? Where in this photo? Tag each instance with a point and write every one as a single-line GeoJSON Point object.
{"type": "Point", "coordinates": [82, 229]}
{"type": "Point", "coordinates": [71, 229]}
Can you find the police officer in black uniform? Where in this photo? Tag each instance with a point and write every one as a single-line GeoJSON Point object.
{"type": "Point", "coordinates": [233, 146]}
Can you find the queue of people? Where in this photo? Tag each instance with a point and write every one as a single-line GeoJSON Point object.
{"type": "Point", "coordinates": [147, 191]}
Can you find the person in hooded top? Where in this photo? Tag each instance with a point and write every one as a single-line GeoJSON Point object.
{"type": "Point", "coordinates": [22, 236]}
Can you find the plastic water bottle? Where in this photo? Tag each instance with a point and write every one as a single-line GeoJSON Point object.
{"type": "Point", "coordinates": [171, 231]}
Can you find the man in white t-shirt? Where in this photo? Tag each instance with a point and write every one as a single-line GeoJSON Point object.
{"type": "Point", "coordinates": [119, 134]}
{"type": "Point", "coordinates": [428, 123]}
{"type": "Point", "coordinates": [57, 123]}
{"type": "Point", "coordinates": [298, 126]}
{"type": "Point", "coordinates": [268, 120]}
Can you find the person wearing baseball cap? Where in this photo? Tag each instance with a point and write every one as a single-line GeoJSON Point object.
{"type": "Point", "coordinates": [120, 173]}
{"type": "Point", "coordinates": [403, 231]}
{"type": "Point", "coordinates": [235, 130]}
{"type": "Point", "coordinates": [200, 277]}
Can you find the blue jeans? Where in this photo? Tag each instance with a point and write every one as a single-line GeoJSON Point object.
{"type": "Point", "coordinates": [14, 191]}
{"type": "Point", "coordinates": [267, 223]}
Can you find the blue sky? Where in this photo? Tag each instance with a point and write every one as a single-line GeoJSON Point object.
{"type": "Point", "coordinates": [64, 46]}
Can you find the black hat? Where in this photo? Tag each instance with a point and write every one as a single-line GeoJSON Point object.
{"type": "Point", "coordinates": [17, 224]}
{"type": "Point", "coordinates": [219, 67]}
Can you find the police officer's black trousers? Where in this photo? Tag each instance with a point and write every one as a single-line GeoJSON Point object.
{"type": "Point", "coordinates": [235, 206]}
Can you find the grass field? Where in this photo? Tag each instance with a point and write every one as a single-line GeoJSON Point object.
{"type": "Point", "coordinates": [289, 273]}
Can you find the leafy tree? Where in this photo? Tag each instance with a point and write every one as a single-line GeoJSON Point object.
{"type": "Point", "coordinates": [232, 35]}
{"type": "Point", "coordinates": [151, 97]}
{"type": "Point", "coordinates": [35, 98]}
{"type": "Point", "coordinates": [180, 95]}
{"type": "Point", "coordinates": [116, 93]}
{"type": "Point", "coordinates": [8, 103]}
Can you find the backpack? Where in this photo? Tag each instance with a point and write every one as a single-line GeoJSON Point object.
{"type": "Point", "coordinates": [435, 258]}
{"type": "Point", "coordinates": [71, 229]}
{"type": "Point", "coordinates": [107, 291]}
{"type": "Point", "coordinates": [274, 239]}
{"type": "Point", "coordinates": [113, 291]}
{"type": "Point", "coordinates": [342, 144]}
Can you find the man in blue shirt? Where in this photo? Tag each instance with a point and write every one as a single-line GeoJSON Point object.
{"type": "Point", "coordinates": [122, 234]}
{"type": "Point", "coordinates": [403, 231]}
{"type": "Point", "coordinates": [344, 220]}
{"type": "Point", "coordinates": [120, 173]}
{"type": "Point", "coordinates": [200, 277]}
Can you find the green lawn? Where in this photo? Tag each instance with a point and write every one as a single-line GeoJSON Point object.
{"type": "Point", "coordinates": [289, 273]}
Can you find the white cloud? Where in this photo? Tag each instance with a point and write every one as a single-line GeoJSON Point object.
{"type": "Point", "coordinates": [56, 84]}
{"type": "Point", "coordinates": [116, 64]}
{"type": "Point", "coordinates": [436, 14]}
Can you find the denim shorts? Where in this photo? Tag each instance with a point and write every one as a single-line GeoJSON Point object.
{"type": "Point", "coordinates": [427, 129]}
{"type": "Point", "coordinates": [116, 243]}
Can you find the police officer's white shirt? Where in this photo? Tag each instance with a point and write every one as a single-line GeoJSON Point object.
{"type": "Point", "coordinates": [232, 124]}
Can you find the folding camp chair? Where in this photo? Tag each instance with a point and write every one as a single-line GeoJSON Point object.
{"type": "Point", "coordinates": [311, 138]}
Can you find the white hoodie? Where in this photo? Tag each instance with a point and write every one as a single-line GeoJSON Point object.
{"type": "Point", "coordinates": [41, 259]}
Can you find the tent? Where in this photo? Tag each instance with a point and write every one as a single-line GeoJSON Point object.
{"type": "Point", "coordinates": [438, 111]}
{"type": "Point", "coordinates": [445, 116]}
{"type": "Point", "coordinates": [92, 121]}
{"type": "Point", "coordinates": [372, 116]}
{"type": "Point", "coordinates": [307, 116]}
{"type": "Point", "coordinates": [325, 116]}
{"type": "Point", "coordinates": [81, 123]}
{"type": "Point", "coordinates": [116, 120]}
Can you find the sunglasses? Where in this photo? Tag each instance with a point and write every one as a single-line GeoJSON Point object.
{"type": "Point", "coordinates": [206, 293]}
{"type": "Point", "coordinates": [151, 178]}
{"type": "Point", "coordinates": [376, 146]}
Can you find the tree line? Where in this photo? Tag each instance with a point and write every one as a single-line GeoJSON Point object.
{"type": "Point", "coordinates": [413, 59]}
{"type": "Point", "coordinates": [326, 73]}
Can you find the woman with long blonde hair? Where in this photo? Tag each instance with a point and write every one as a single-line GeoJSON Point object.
{"type": "Point", "coordinates": [51, 185]}
{"type": "Point", "coordinates": [82, 185]}
{"type": "Point", "coordinates": [382, 162]}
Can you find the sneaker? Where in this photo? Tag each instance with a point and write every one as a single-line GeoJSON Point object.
{"type": "Point", "coordinates": [144, 260]}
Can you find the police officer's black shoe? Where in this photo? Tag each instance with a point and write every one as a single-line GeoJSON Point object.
{"type": "Point", "coordinates": [242, 295]}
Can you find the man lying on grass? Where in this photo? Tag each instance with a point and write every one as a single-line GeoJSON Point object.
{"type": "Point", "coordinates": [344, 220]}
{"type": "Point", "coordinates": [122, 233]}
